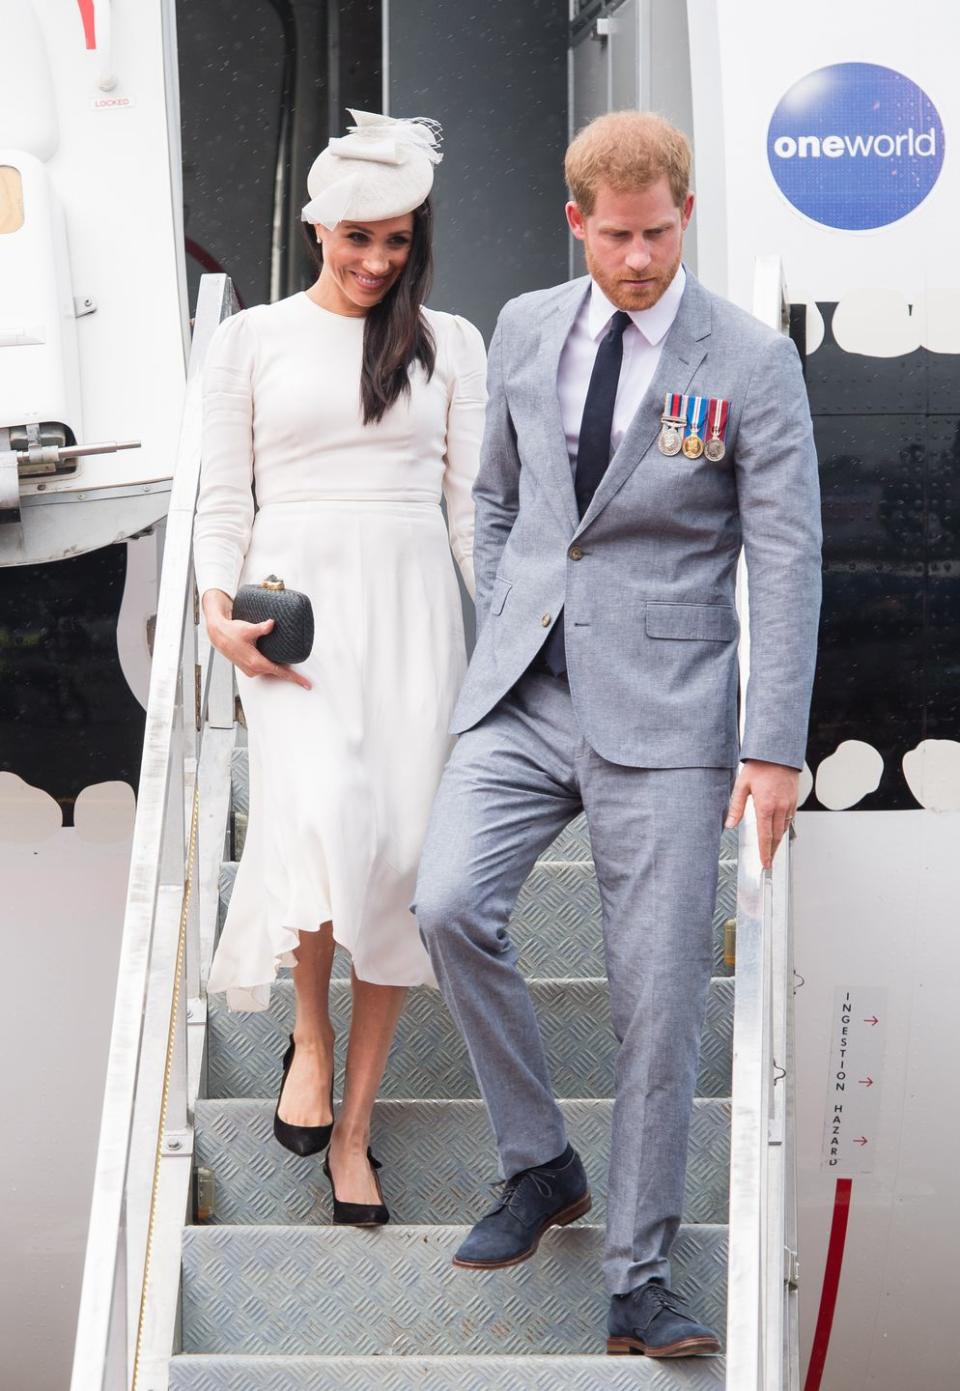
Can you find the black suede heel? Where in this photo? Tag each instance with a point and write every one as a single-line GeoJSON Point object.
{"type": "Point", "coordinates": [303, 1140]}
{"type": "Point", "coordinates": [358, 1214]}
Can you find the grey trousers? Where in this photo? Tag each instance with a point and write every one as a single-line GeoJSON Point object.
{"type": "Point", "coordinates": [512, 783]}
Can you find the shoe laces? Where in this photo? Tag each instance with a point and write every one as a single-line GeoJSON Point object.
{"type": "Point", "coordinates": [665, 1298]}
{"type": "Point", "coordinates": [507, 1189]}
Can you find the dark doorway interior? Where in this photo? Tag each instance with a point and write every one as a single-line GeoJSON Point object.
{"type": "Point", "coordinates": [263, 83]}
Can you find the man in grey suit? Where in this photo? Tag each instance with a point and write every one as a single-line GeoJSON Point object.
{"type": "Point", "coordinates": [640, 431]}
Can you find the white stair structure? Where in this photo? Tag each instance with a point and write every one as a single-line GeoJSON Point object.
{"type": "Point", "coordinates": [265, 1294]}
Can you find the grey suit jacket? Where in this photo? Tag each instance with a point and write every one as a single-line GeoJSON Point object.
{"type": "Point", "coordinates": [650, 617]}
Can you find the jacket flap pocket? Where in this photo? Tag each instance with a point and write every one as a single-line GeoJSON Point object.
{"type": "Point", "coordinates": [703, 622]}
{"type": "Point", "coordinates": [498, 594]}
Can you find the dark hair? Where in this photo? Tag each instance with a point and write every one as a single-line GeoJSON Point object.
{"type": "Point", "coordinates": [395, 334]}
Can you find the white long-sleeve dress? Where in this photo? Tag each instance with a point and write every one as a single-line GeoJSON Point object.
{"type": "Point", "coordinates": [341, 776]}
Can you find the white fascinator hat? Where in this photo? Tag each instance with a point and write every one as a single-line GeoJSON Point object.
{"type": "Point", "coordinates": [382, 168]}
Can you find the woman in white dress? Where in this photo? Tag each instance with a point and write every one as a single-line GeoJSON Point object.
{"type": "Point", "coordinates": [350, 410]}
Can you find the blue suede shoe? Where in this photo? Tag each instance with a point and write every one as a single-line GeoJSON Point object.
{"type": "Point", "coordinates": [550, 1195]}
{"type": "Point", "coordinates": [648, 1320]}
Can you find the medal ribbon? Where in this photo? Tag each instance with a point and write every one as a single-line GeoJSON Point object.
{"type": "Point", "coordinates": [718, 412]}
{"type": "Point", "coordinates": [672, 406]}
{"type": "Point", "coordinates": [694, 411]}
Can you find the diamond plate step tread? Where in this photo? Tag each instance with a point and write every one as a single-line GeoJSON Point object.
{"type": "Point", "coordinates": [572, 846]}
{"type": "Point", "coordinates": [428, 1060]}
{"type": "Point", "coordinates": [239, 781]}
{"type": "Point", "coordinates": [556, 924]}
{"type": "Point", "coordinates": [557, 928]}
{"type": "Point", "coordinates": [205, 1372]}
{"type": "Point", "coordinates": [573, 843]}
{"type": "Point", "coordinates": [339, 1290]}
{"type": "Point", "coordinates": [438, 1157]}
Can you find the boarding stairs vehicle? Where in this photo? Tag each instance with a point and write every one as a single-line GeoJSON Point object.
{"type": "Point", "coordinates": [212, 1264]}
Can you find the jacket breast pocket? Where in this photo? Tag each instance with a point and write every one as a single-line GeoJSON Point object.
{"type": "Point", "coordinates": [692, 622]}
{"type": "Point", "coordinates": [498, 594]}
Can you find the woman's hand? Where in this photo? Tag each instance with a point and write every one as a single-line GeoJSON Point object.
{"type": "Point", "coordinates": [238, 640]}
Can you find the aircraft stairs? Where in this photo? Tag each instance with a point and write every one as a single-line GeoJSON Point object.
{"type": "Point", "coordinates": [264, 1294]}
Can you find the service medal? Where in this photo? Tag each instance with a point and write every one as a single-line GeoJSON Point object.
{"type": "Point", "coordinates": [694, 412]}
{"type": "Point", "coordinates": [672, 424]}
{"type": "Point", "coordinates": [670, 440]}
{"type": "Point", "coordinates": [717, 413]}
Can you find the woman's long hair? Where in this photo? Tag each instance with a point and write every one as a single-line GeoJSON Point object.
{"type": "Point", "coordinates": [395, 334]}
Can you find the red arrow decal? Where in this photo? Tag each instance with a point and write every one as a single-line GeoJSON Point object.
{"type": "Point", "coordinates": [86, 14]}
{"type": "Point", "coordinates": [872, 1020]}
{"type": "Point", "coordinates": [866, 1081]}
{"type": "Point", "coordinates": [862, 1141]}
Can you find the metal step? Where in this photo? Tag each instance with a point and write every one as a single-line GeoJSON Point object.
{"type": "Point", "coordinates": [599, 1373]}
{"type": "Point", "coordinates": [438, 1157]}
{"type": "Point", "coordinates": [572, 844]}
{"type": "Point", "coordinates": [429, 1061]}
{"type": "Point", "coordinates": [276, 1299]}
{"type": "Point", "coordinates": [338, 1290]}
{"type": "Point", "coordinates": [556, 924]}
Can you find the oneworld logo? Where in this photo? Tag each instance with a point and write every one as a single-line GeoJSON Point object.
{"type": "Point", "coordinates": [855, 146]}
{"type": "Point", "coordinates": [883, 146]}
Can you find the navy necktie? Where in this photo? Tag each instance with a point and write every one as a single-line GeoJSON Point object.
{"type": "Point", "coordinates": [593, 451]}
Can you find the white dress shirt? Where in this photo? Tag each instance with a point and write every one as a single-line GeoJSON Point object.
{"type": "Point", "coordinates": [642, 345]}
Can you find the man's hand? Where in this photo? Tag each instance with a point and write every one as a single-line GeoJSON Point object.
{"type": "Point", "coordinates": [773, 788]}
{"type": "Point", "coordinates": [238, 640]}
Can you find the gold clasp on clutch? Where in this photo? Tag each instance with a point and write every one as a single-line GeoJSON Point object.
{"type": "Point", "coordinates": [272, 582]}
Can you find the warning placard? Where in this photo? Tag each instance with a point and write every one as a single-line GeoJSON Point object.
{"type": "Point", "coordinates": [853, 1087]}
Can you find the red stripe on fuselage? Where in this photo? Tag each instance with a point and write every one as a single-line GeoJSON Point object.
{"type": "Point", "coordinates": [89, 28]}
{"type": "Point", "coordinates": [831, 1284]}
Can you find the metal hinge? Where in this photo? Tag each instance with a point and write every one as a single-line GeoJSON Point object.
{"type": "Point", "coordinates": [791, 1268]}
{"type": "Point", "coordinates": [197, 1009]}
{"type": "Point", "coordinates": [730, 943]}
{"type": "Point", "coordinates": [178, 1142]}
{"type": "Point", "coordinates": [204, 1194]}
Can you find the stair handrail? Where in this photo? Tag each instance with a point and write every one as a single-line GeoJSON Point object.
{"type": "Point", "coordinates": [762, 1266]}
{"type": "Point", "coordinates": [762, 1314]}
{"type": "Point", "coordinates": [145, 1109]}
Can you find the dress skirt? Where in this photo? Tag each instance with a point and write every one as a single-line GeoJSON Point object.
{"type": "Point", "coordinates": [342, 776]}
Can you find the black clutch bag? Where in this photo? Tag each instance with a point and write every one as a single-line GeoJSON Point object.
{"type": "Point", "coordinates": [290, 640]}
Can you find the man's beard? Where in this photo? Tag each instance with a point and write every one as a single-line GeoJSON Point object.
{"type": "Point", "coordinates": [632, 296]}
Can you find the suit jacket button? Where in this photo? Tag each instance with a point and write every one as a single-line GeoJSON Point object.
{"type": "Point", "coordinates": [575, 553]}
{"type": "Point", "coordinates": [546, 620]}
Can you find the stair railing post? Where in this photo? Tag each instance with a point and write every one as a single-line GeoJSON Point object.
{"type": "Point", "coordinates": [789, 1273]}
{"type": "Point", "coordinates": [748, 1136]}
{"type": "Point", "coordinates": [130, 1204]}
{"type": "Point", "coordinates": [761, 1340]}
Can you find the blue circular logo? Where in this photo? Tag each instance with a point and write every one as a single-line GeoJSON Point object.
{"type": "Point", "coordinates": [855, 145]}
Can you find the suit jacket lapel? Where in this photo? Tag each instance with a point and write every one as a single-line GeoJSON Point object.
{"type": "Point", "coordinates": [554, 331]}
{"type": "Point", "coordinates": [684, 349]}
